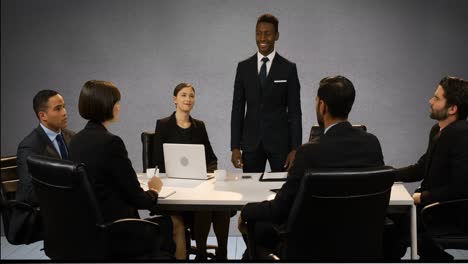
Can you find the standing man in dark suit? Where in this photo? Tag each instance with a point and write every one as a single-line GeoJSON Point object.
{"type": "Point", "coordinates": [268, 85]}
{"type": "Point", "coordinates": [340, 145]}
{"type": "Point", "coordinates": [444, 166]}
{"type": "Point", "coordinates": [50, 138]}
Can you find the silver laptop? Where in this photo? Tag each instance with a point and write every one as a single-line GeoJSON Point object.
{"type": "Point", "coordinates": [185, 161]}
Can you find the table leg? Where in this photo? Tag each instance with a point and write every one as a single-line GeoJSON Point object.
{"type": "Point", "coordinates": [414, 230]}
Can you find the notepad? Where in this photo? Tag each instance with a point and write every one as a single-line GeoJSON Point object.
{"type": "Point", "coordinates": [164, 193]}
{"type": "Point", "coordinates": [274, 176]}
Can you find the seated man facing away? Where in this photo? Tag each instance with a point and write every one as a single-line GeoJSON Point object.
{"type": "Point", "coordinates": [444, 166]}
{"type": "Point", "coordinates": [341, 145]}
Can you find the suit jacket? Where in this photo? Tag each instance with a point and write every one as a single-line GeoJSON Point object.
{"type": "Point", "coordinates": [273, 114]}
{"type": "Point", "coordinates": [341, 147]}
{"type": "Point", "coordinates": [166, 132]}
{"type": "Point", "coordinates": [110, 172]}
{"type": "Point", "coordinates": [37, 143]}
{"type": "Point", "coordinates": [444, 166]}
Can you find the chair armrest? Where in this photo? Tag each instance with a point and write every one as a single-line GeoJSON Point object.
{"type": "Point", "coordinates": [281, 230]}
{"type": "Point", "coordinates": [20, 222]}
{"type": "Point", "coordinates": [274, 257]}
{"type": "Point", "coordinates": [13, 203]}
{"type": "Point", "coordinates": [132, 238]}
{"type": "Point", "coordinates": [447, 217]}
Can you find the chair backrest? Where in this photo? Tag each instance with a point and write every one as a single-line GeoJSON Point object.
{"type": "Point", "coordinates": [69, 209]}
{"type": "Point", "coordinates": [316, 131]}
{"type": "Point", "coordinates": [147, 140]}
{"type": "Point", "coordinates": [8, 186]}
{"type": "Point", "coordinates": [9, 178]}
{"type": "Point", "coordinates": [339, 214]}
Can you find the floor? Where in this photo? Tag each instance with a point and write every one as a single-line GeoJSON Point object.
{"type": "Point", "coordinates": [34, 251]}
{"type": "Point", "coordinates": [236, 247]}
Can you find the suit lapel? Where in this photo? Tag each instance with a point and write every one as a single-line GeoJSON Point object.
{"type": "Point", "coordinates": [172, 124]}
{"type": "Point", "coordinates": [431, 150]}
{"type": "Point", "coordinates": [253, 68]}
{"type": "Point", "coordinates": [275, 67]}
{"type": "Point", "coordinates": [67, 137]}
{"type": "Point", "coordinates": [49, 147]}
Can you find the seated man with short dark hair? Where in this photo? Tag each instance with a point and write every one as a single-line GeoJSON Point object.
{"type": "Point", "coordinates": [50, 138]}
{"type": "Point", "coordinates": [341, 146]}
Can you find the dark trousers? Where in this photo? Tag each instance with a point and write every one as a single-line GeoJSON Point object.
{"type": "Point", "coordinates": [166, 242]}
{"type": "Point", "coordinates": [263, 239]}
{"type": "Point", "coordinates": [255, 161]}
{"type": "Point", "coordinates": [201, 227]}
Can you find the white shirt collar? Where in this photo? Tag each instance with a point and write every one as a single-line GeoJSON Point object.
{"type": "Point", "coordinates": [330, 126]}
{"type": "Point", "coordinates": [50, 133]}
{"type": "Point", "coordinates": [270, 57]}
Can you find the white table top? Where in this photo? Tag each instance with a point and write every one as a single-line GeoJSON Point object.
{"type": "Point", "coordinates": [238, 192]}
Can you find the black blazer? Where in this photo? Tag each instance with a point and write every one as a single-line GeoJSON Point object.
{"type": "Point", "coordinates": [341, 147]}
{"type": "Point", "coordinates": [38, 143]}
{"type": "Point", "coordinates": [444, 166]}
{"type": "Point", "coordinates": [111, 173]}
{"type": "Point", "coordinates": [274, 114]}
{"type": "Point", "coordinates": [166, 133]}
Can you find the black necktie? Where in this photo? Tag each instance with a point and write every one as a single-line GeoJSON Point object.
{"type": "Point", "coordinates": [263, 71]}
{"type": "Point", "coordinates": [62, 147]}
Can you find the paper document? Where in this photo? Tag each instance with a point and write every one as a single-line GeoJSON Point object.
{"type": "Point", "coordinates": [274, 176]}
{"type": "Point", "coordinates": [165, 192]}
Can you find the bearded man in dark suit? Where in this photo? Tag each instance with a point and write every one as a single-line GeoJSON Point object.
{"type": "Point", "coordinates": [443, 169]}
{"type": "Point", "coordinates": [340, 146]}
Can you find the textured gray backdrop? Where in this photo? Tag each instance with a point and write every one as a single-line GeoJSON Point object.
{"type": "Point", "coordinates": [395, 52]}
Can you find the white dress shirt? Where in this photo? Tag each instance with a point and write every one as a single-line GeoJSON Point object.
{"type": "Point", "coordinates": [270, 56]}
{"type": "Point", "coordinates": [330, 126]}
{"type": "Point", "coordinates": [53, 137]}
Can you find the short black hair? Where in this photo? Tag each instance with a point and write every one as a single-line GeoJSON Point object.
{"type": "Point", "coordinates": [456, 93]}
{"type": "Point", "coordinates": [97, 100]}
{"type": "Point", "coordinates": [268, 18]}
{"type": "Point", "coordinates": [181, 86]}
{"type": "Point", "coordinates": [41, 100]}
{"type": "Point", "coordinates": [338, 93]}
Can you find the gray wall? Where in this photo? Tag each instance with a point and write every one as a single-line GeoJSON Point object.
{"type": "Point", "coordinates": [395, 52]}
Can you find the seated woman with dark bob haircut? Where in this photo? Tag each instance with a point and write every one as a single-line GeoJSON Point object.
{"type": "Point", "coordinates": [110, 170]}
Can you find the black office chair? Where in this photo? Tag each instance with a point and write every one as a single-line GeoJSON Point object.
{"type": "Point", "coordinates": [73, 223]}
{"type": "Point", "coordinates": [338, 215]}
{"type": "Point", "coordinates": [316, 131]}
{"type": "Point", "coordinates": [9, 178]}
{"type": "Point", "coordinates": [447, 223]}
{"type": "Point", "coordinates": [10, 208]}
{"type": "Point", "coordinates": [148, 156]}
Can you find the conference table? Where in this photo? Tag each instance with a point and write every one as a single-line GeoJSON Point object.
{"type": "Point", "coordinates": [234, 191]}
